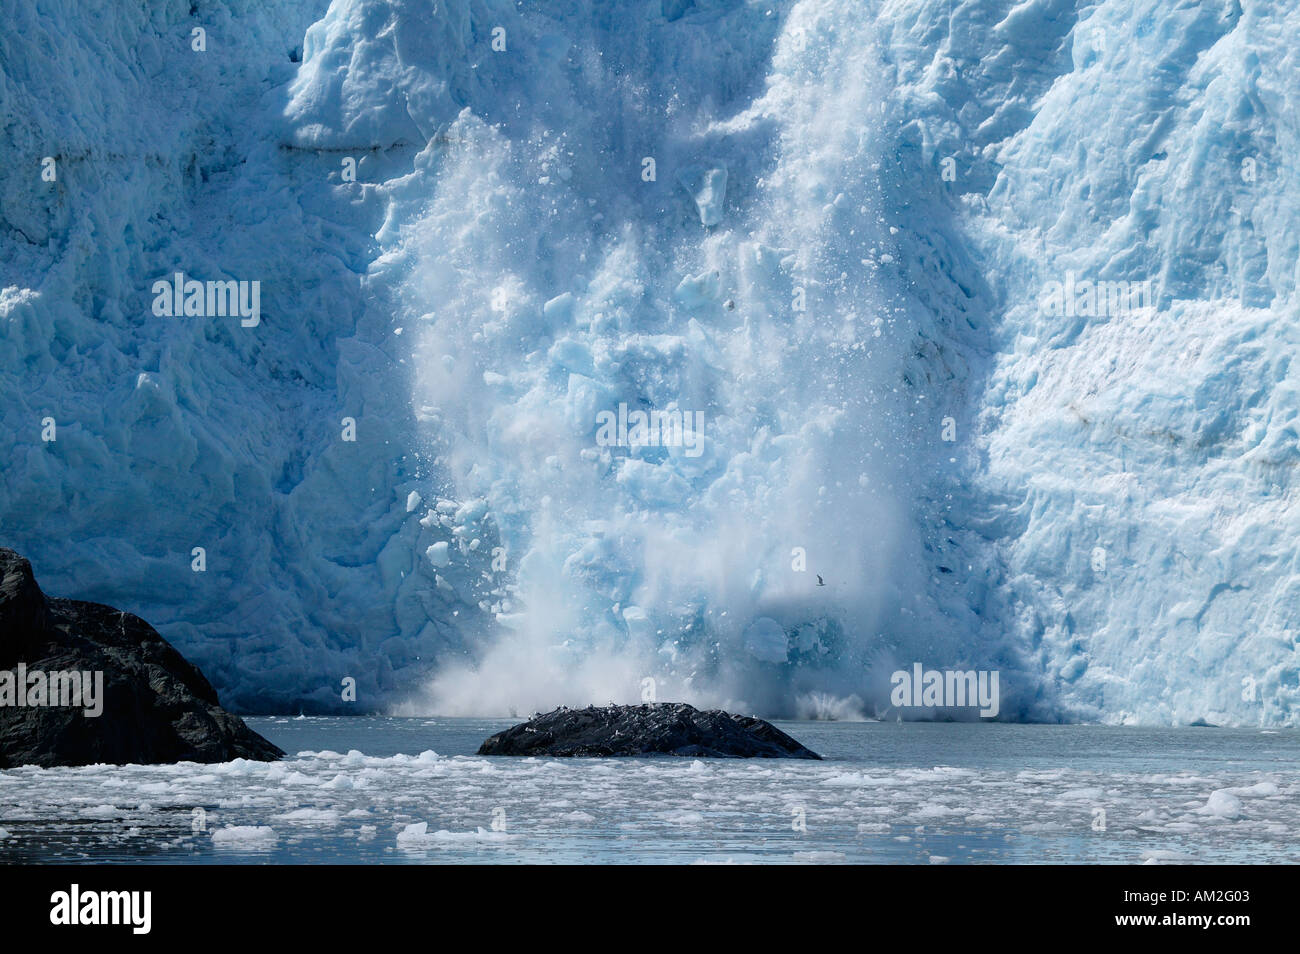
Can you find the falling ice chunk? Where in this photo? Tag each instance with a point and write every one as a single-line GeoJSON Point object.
{"type": "Point", "coordinates": [708, 187]}
{"type": "Point", "coordinates": [560, 308]}
{"type": "Point", "coordinates": [696, 290]}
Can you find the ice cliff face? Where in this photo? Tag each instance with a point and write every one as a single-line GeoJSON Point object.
{"type": "Point", "coordinates": [1138, 462]}
{"type": "Point", "coordinates": [179, 433]}
{"type": "Point", "coordinates": [986, 308]}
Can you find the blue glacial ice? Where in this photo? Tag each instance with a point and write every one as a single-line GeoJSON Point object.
{"type": "Point", "coordinates": [837, 253]}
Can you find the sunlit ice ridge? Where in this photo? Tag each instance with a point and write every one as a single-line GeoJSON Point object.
{"type": "Point", "coordinates": [736, 353]}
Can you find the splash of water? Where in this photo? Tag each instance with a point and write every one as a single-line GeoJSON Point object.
{"type": "Point", "coordinates": [557, 280]}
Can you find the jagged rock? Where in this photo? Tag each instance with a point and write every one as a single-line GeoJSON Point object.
{"type": "Point", "coordinates": [658, 728]}
{"type": "Point", "coordinates": [156, 706]}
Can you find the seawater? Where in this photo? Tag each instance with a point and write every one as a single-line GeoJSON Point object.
{"type": "Point", "coordinates": [357, 790]}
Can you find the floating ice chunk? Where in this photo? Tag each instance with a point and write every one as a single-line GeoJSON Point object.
{"type": "Point", "coordinates": [438, 554]}
{"type": "Point", "coordinates": [1089, 792]}
{"type": "Point", "coordinates": [684, 818]}
{"type": "Point", "coordinates": [1222, 803]}
{"type": "Point", "coordinates": [102, 811]}
{"type": "Point", "coordinates": [766, 640]}
{"type": "Point", "coordinates": [244, 836]}
{"type": "Point", "coordinates": [1258, 789]}
{"type": "Point", "coordinates": [933, 811]}
{"type": "Point", "coordinates": [413, 834]}
{"type": "Point", "coordinates": [708, 187]}
{"type": "Point", "coordinates": [417, 836]}
{"type": "Point", "coordinates": [1162, 857]}
{"type": "Point", "coordinates": [853, 780]}
{"type": "Point", "coordinates": [310, 816]}
{"type": "Point", "coordinates": [412, 501]}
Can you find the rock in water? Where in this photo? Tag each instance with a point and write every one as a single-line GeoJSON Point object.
{"type": "Point", "coordinates": [657, 728]}
{"type": "Point", "coordinates": [156, 706]}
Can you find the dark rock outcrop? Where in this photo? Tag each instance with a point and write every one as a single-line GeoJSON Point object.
{"type": "Point", "coordinates": [657, 728]}
{"type": "Point", "coordinates": [156, 706]}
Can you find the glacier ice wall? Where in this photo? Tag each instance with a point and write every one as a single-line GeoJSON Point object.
{"type": "Point", "coordinates": [1137, 461]}
{"type": "Point", "coordinates": [839, 261]}
{"type": "Point", "coordinates": [175, 434]}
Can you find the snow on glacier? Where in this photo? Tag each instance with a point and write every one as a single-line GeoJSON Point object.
{"type": "Point", "coordinates": [1111, 529]}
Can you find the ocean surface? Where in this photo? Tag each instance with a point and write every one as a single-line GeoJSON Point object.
{"type": "Point", "coordinates": [411, 791]}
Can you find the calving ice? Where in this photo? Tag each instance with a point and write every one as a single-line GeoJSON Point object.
{"type": "Point", "coordinates": [946, 689]}
{"type": "Point", "coordinates": [671, 428]}
{"type": "Point", "coordinates": [74, 907]}
{"type": "Point", "coordinates": [191, 298]}
{"type": "Point", "coordinates": [22, 687]}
